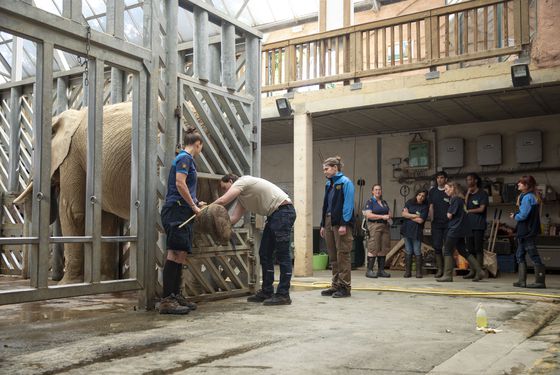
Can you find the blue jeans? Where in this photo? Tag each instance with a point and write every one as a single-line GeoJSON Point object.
{"type": "Point", "coordinates": [412, 245]}
{"type": "Point", "coordinates": [525, 246]}
{"type": "Point", "coordinates": [276, 236]}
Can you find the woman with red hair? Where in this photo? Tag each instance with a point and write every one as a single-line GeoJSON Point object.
{"type": "Point", "coordinates": [528, 227]}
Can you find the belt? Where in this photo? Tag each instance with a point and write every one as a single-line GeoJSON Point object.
{"type": "Point", "coordinates": [281, 207]}
{"type": "Point", "coordinates": [380, 221]}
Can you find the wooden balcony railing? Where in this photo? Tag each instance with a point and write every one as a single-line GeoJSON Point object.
{"type": "Point", "coordinates": [473, 30]}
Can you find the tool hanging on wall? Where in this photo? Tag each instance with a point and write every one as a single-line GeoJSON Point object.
{"type": "Point", "coordinates": [361, 183]}
{"type": "Point", "coordinates": [404, 191]}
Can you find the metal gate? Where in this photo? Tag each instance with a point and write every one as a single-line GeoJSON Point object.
{"type": "Point", "coordinates": [161, 94]}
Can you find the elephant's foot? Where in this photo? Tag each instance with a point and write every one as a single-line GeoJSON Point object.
{"type": "Point", "coordinates": [71, 279]}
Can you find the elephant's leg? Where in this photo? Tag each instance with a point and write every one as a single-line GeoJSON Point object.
{"type": "Point", "coordinates": [109, 250]}
{"type": "Point", "coordinates": [72, 217]}
{"type": "Point", "coordinates": [57, 261]}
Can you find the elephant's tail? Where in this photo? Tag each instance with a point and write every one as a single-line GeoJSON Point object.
{"type": "Point", "coordinates": [23, 196]}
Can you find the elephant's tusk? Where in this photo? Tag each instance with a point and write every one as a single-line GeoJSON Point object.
{"type": "Point", "coordinates": [192, 217]}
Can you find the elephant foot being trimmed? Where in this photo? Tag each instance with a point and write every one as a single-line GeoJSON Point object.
{"type": "Point", "coordinates": [71, 280]}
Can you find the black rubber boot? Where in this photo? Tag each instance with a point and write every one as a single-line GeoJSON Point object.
{"type": "Point", "coordinates": [539, 277]}
{"type": "Point", "coordinates": [329, 292]}
{"type": "Point", "coordinates": [439, 265]}
{"type": "Point", "coordinates": [471, 274]}
{"type": "Point", "coordinates": [381, 268]}
{"type": "Point", "coordinates": [474, 265]}
{"type": "Point", "coordinates": [369, 272]}
{"type": "Point", "coordinates": [407, 265]}
{"type": "Point", "coordinates": [342, 293]}
{"type": "Point", "coordinates": [522, 276]}
{"type": "Point", "coordinates": [447, 275]}
{"type": "Point", "coordinates": [419, 265]}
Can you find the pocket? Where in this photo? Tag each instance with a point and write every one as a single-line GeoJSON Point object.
{"type": "Point", "coordinates": [179, 238]}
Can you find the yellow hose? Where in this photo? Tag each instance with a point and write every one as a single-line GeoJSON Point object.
{"type": "Point", "coordinates": [447, 292]}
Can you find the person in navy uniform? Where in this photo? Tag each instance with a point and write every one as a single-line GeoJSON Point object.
{"type": "Point", "coordinates": [458, 229]}
{"type": "Point", "coordinates": [528, 228]}
{"type": "Point", "coordinates": [337, 221]}
{"type": "Point", "coordinates": [415, 212]}
{"type": "Point", "coordinates": [439, 203]}
{"type": "Point", "coordinates": [378, 216]}
{"type": "Point", "coordinates": [477, 204]}
{"type": "Point", "coordinates": [180, 204]}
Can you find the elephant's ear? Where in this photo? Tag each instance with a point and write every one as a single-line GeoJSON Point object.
{"type": "Point", "coordinates": [64, 127]}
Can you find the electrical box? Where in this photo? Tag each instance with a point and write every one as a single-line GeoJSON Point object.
{"type": "Point", "coordinates": [489, 149]}
{"type": "Point", "coordinates": [450, 153]}
{"type": "Point", "coordinates": [419, 154]}
{"type": "Point", "coordinates": [528, 147]}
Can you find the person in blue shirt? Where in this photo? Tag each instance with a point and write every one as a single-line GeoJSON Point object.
{"type": "Point", "coordinates": [528, 228]}
{"type": "Point", "coordinates": [180, 204]}
{"type": "Point", "coordinates": [337, 221]}
{"type": "Point", "coordinates": [415, 212]}
{"type": "Point", "coordinates": [378, 215]}
{"type": "Point", "coordinates": [439, 203]}
{"type": "Point", "coordinates": [477, 204]}
{"type": "Point", "coordinates": [457, 229]}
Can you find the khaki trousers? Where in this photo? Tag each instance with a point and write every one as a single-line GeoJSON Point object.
{"type": "Point", "coordinates": [379, 242]}
{"type": "Point", "coordinates": [339, 248]}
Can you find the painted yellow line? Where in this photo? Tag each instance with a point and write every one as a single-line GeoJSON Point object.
{"type": "Point", "coordinates": [449, 292]}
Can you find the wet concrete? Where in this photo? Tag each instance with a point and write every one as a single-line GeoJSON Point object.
{"type": "Point", "coordinates": [375, 331]}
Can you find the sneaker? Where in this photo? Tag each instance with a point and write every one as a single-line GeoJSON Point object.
{"type": "Point", "coordinates": [329, 292]}
{"type": "Point", "coordinates": [183, 302]}
{"type": "Point", "coordinates": [260, 296]}
{"type": "Point", "coordinates": [278, 299]}
{"type": "Point", "coordinates": [341, 293]}
{"type": "Point", "coordinates": [169, 305]}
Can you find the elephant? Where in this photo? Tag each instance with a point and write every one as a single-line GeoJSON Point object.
{"type": "Point", "coordinates": [68, 178]}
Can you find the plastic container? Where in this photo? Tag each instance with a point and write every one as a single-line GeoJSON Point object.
{"type": "Point", "coordinates": [481, 317]}
{"type": "Point", "coordinates": [320, 261]}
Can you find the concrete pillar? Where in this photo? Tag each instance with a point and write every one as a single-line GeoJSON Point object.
{"type": "Point", "coordinates": [229, 77]}
{"type": "Point", "coordinates": [303, 188]}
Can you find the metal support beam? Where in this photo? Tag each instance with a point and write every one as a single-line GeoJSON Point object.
{"type": "Point", "coordinates": [61, 95]}
{"type": "Point", "coordinates": [214, 69]}
{"type": "Point", "coordinates": [72, 9]}
{"type": "Point", "coordinates": [252, 87]}
{"type": "Point", "coordinates": [200, 63]}
{"type": "Point", "coordinates": [229, 78]}
{"type": "Point", "coordinates": [115, 18]}
{"type": "Point", "coordinates": [118, 86]}
{"type": "Point", "coordinates": [15, 129]}
{"type": "Point", "coordinates": [42, 120]}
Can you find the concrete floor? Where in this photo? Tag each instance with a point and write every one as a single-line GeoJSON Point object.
{"type": "Point", "coordinates": [382, 329]}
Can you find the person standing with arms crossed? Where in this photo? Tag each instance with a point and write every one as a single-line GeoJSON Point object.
{"type": "Point", "coordinates": [477, 203]}
{"type": "Point", "coordinates": [264, 198]}
{"type": "Point", "coordinates": [439, 203]}
{"type": "Point", "coordinates": [337, 221]}
{"type": "Point", "coordinates": [528, 228]}
{"type": "Point", "coordinates": [180, 204]}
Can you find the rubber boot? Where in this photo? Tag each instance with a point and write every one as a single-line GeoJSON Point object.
{"type": "Point", "coordinates": [447, 270]}
{"type": "Point", "coordinates": [407, 265]}
{"type": "Point", "coordinates": [369, 272]}
{"type": "Point", "coordinates": [381, 268]}
{"type": "Point", "coordinates": [522, 276]}
{"type": "Point", "coordinates": [539, 277]}
{"type": "Point", "coordinates": [471, 274]}
{"type": "Point", "coordinates": [419, 264]}
{"type": "Point", "coordinates": [473, 264]}
{"type": "Point", "coordinates": [439, 265]}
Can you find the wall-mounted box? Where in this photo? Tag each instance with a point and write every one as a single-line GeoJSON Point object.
{"type": "Point", "coordinates": [451, 153]}
{"type": "Point", "coordinates": [489, 149]}
{"type": "Point", "coordinates": [528, 147]}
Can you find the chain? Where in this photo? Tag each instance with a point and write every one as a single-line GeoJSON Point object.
{"type": "Point", "coordinates": [85, 63]}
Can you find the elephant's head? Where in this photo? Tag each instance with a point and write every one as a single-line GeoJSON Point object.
{"type": "Point", "coordinates": [63, 128]}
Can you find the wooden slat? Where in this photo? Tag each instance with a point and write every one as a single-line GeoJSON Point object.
{"type": "Point", "coordinates": [446, 35]}
{"type": "Point", "coordinates": [368, 49]}
{"type": "Point", "coordinates": [392, 45]}
{"type": "Point", "coordinates": [506, 24]}
{"type": "Point", "coordinates": [409, 41]}
{"type": "Point", "coordinates": [485, 13]}
{"type": "Point", "coordinates": [418, 43]}
{"type": "Point", "coordinates": [280, 64]}
{"type": "Point", "coordinates": [307, 60]}
{"type": "Point", "coordinates": [321, 58]}
{"type": "Point", "coordinates": [495, 19]}
{"type": "Point", "coordinates": [456, 32]}
{"type": "Point", "coordinates": [384, 45]}
{"type": "Point", "coordinates": [401, 45]}
{"type": "Point", "coordinates": [475, 29]}
{"type": "Point", "coordinates": [376, 48]}
{"type": "Point", "coordinates": [337, 55]}
{"type": "Point", "coordinates": [465, 32]}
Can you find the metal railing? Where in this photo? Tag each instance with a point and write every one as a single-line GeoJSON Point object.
{"type": "Point", "coordinates": [473, 30]}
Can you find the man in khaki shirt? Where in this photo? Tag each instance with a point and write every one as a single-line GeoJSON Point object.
{"type": "Point", "coordinates": [262, 197]}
